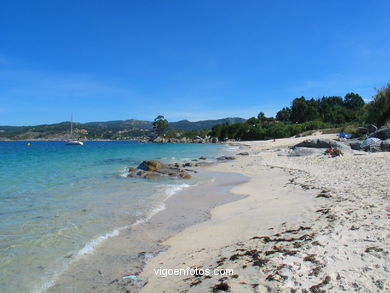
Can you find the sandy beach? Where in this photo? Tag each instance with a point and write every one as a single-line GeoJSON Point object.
{"type": "Point", "coordinates": [194, 146]}
{"type": "Point", "coordinates": [274, 222]}
{"type": "Point", "coordinates": [312, 223]}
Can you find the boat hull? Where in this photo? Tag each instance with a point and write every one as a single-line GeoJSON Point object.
{"type": "Point", "coordinates": [74, 142]}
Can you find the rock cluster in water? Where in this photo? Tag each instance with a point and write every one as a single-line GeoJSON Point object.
{"type": "Point", "coordinates": [154, 169]}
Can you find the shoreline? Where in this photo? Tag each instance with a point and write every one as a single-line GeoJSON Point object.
{"type": "Point", "coordinates": [127, 256]}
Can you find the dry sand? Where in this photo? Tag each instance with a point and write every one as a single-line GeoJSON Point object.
{"type": "Point", "coordinates": [312, 224]}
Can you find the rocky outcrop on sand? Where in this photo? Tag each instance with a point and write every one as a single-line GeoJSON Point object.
{"type": "Point", "coordinates": [371, 128]}
{"type": "Point", "coordinates": [322, 143]}
{"type": "Point", "coordinates": [377, 142]}
{"type": "Point", "coordinates": [355, 144]}
{"type": "Point", "coordinates": [385, 145]}
{"type": "Point", "coordinates": [154, 169]}
{"type": "Point", "coordinates": [382, 134]}
{"type": "Point", "coordinates": [226, 158]}
{"type": "Point", "coordinates": [303, 151]}
{"type": "Point", "coordinates": [316, 147]}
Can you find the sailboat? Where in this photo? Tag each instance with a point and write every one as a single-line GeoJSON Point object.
{"type": "Point", "coordinates": [71, 140]}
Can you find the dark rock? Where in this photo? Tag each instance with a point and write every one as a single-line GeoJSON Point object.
{"type": "Point", "coordinates": [383, 133]}
{"type": "Point", "coordinates": [375, 147]}
{"type": "Point", "coordinates": [223, 158]}
{"type": "Point", "coordinates": [168, 171]}
{"type": "Point", "coordinates": [355, 146]}
{"type": "Point", "coordinates": [362, 131]}
{"type": "Point", "coordinates": [151, 175]}
{"type": "Point", "coordinates": [303, 151]}
{"type": "Point", "coordinates": [200, 164]}
{"type": "Point", "coordinates": [371, 144]}
{"type": "Point", "coordinates": [188, 164]}
{"type": "Point", "coordinates": [151, 165]}
{"type": "Point", "coordinates": [321, 143]}
{"type": "Point", "coordinates": [214, 140]}
{"type": "Point", "coordinates": [230, 157]}
{"type": "Point", "coordinates": [385, 145]}
{"type": "Point", "coordinates": [202, 158]}
{"type": "Point", "coordinates": [185, 175]}
{"type": "Point", "coordinates": [154, 169]}
{"type": "Point", "coordinates": [243, 154]}
{"type": "Point", "coordinates": [371, 128]}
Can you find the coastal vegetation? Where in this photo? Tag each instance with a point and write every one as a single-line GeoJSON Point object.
{"type": "Point", "coordinates": [332, 113]}
{"type": "Point", "coordinates": [378, 110]}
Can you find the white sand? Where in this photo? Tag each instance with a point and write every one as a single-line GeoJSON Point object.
{"type": "Point", "coordinates": [336, 242]}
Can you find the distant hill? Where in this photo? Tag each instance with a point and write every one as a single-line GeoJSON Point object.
{"type": "Point", "coordinates": [204, 124]}
{"type": "Point", "coordinates": [118, 129]}
{"type": "Point", "coordinates": [120, 124]}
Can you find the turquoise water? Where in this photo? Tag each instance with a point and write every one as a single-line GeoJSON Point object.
{"type": "Point", "coordinates": [58, 202]}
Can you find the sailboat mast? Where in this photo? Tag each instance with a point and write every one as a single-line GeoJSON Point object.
{"type": "Point", "coordinates": [71, 125]}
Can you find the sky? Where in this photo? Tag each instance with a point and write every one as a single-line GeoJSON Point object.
{"type": "Point", "coordinates": [192, 59]}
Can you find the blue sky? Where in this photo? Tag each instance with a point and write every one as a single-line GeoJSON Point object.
{"type": "Point", "coordinates": [192, 59]}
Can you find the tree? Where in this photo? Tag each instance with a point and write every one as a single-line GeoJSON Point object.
{"type": "Point", "coordinates": [284, 115]}
{"type": "Point", "coordinates": [160, 125]}
{"type": "Point", "coordinates": [353, 101]}
{"type": "Point", "coordinates": [261, 117]}
{"type": "Point", "coordinates": [378, 110]}
{"type": "Point", "coordinates": [252, 121]}
{"type": "Point", "coordinates": [299, 110]}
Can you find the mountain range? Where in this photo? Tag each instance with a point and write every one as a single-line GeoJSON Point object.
{"type": "Point", "coordinates": [124, 129]}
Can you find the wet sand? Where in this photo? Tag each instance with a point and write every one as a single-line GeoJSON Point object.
{"type": "Point", "coordinates": [115, 264]}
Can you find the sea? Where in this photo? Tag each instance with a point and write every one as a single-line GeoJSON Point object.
{"type": "Point", "coordinates": [59, 202]}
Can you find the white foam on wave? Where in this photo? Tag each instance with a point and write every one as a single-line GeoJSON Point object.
{"type": "Point", "coordinates": [171, 189]}
{"type": "Point", "coordinates": [231, 149]}
{"type": "Point", "coordinates": [90, 246]}
{"type": "Point", "coordinates": [153, 212]}
{"type": "Point", "coordinates": [168, 190]}
{"type": "Point", "coordinates": [87, 249]}
{"type": "Point", "coordinates": [124, 173]}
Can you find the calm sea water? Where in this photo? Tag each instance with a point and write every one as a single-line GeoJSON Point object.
{"type": "Point", "coordinates": [58, 202]}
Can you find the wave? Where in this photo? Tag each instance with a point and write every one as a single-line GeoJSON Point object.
{"type": "Point", "coordinates": [90, 247]}
{"type": "Point", "coordinates": [171, 189]}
